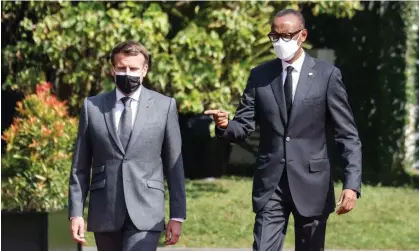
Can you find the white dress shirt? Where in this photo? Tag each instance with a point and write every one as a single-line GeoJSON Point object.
{"type": "Point", "coordinates": [119, 106]}
{"type": "Point", "coordinates": [297, 65]}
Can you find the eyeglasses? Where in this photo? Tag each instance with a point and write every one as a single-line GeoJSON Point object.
{"type": "Point", "coordinates": [274, 37]}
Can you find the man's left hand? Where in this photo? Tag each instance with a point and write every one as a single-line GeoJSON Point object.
{"type": "Point", "coordinates": [347, 201]}
{"type": "Point", "coordinates": [173, 231]}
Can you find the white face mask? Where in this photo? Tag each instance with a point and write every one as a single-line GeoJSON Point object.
{"type": "Point", "coordinates": [286, 50]}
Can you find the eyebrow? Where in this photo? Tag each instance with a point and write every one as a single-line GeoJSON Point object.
{"type": "Point", "coordinates": [281, 32]}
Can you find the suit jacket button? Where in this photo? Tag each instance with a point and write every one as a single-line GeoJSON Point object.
{"type": "Point", "coordinates": [282, 161]}
{"type": "Point", "coordinates": [287, 139]}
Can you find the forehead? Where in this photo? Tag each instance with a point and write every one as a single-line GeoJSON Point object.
{"type": "Point", "coordinates": [287, 24]}
{"type": "Point", "coordinates": [122, 59]}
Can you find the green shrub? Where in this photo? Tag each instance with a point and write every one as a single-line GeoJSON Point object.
{"type": "Point", "coordinates": [202, 52]}
{"type": "Point", "coordinates": [36, 164]}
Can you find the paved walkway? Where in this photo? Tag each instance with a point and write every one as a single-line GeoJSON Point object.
{"type": "Point", "coordinates": [229, 249]}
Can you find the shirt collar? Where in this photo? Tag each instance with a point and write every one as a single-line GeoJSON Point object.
{"type": "Point", "coordinates": [135, 95]}
{"type": "Point", "coordinates": [297, 65]}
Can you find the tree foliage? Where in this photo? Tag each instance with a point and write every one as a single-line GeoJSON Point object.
{"type": "Point", "coordinates": [201, 51]}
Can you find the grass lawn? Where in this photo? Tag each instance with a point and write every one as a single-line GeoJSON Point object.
{"type": "Point", "coordinates": [220, 215]}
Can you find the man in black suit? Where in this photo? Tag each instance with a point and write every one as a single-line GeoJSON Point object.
{"type": "Point", "coordinates": [293, 99]}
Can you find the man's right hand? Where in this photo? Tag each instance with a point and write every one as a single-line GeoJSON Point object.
{"type": "Point", "coordinates": [220, 117]}
{"type": "Point", "coordinates": [77, 229]}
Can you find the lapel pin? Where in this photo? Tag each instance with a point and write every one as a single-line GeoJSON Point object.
{"type": "Point", "coordinates": [310, 74]}
{"type": "Point", "coordinates": [147, 106]}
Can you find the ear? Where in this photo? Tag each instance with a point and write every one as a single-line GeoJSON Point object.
{"type": "Point", "coordinates": [304, 34]}
{"type": "Point", "coordinates": [145, 70]}
{"type": "Point", "coordinates": [112, 71]}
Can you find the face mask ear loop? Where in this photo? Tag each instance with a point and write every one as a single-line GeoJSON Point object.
{"type": "Point", "coordinates": [299, 38]}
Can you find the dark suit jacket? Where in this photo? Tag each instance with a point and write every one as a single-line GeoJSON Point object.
{"type": "Point", "coordinates": [298, 143]}
{"type": "Point", "coordinates": [128, 180]}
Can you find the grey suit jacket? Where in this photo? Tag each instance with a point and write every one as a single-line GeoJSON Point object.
{"type": "Point", "coordinates": [130, 181]}
{"type": "Point", "coordinates": [298, 143]}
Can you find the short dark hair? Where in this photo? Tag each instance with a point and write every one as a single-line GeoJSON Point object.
{"type": "Point", "coordinates": [292, 12]}
{"type": "Point", "coordinates": [130, 48]}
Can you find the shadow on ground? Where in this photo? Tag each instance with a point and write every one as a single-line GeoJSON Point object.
{"type": "Point", "coordinates": [198, 189]}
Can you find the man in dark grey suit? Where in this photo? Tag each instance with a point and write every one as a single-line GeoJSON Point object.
{"type": "Point", "coordinates": [293, 99]}
{"type": "Point", "coordinates": [125, 139]}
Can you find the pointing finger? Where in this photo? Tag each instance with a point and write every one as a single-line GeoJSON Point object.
{"type": "Point", "coordinates": [211, 112]}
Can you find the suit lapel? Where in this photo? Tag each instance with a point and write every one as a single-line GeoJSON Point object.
{"type": "Point", "coordinates": [278, 91]}
{"type": "Point", "coordinates": [143, 113]}
{"type": "Point", "coordinates": [304, 82]}
{"type": "Point", "coordinates": [109, 105]}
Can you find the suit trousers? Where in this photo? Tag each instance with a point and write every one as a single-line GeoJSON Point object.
{"type": "Point", "coordinates": [128, 238]}
{"type": "Point", "coordinates": [272, 220]}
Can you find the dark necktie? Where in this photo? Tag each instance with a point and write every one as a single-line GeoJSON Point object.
{"type": "Point", "coordinates": [288, 89]}
{"type": "Point", "coordinates": [125, 123]}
